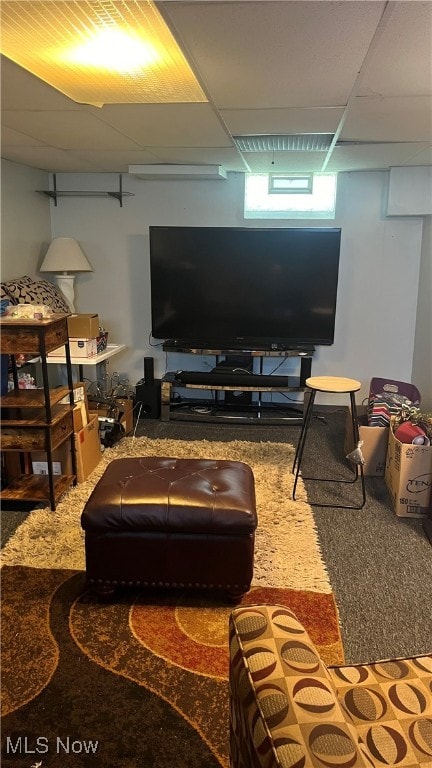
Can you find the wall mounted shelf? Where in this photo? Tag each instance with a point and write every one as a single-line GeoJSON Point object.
{"type": "Point", "coordinates": [55, 193]}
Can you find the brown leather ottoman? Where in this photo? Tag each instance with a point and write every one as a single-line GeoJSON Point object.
{"type": "Point", "coordinates": [164, 522]}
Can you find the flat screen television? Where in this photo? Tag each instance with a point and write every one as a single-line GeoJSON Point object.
{"type": "Point", "coordinates": [244, 288]}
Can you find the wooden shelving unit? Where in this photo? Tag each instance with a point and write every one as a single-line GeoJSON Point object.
{"type": "Point", "coordinates": [35, 419]}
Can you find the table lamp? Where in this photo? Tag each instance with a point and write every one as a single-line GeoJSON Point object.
{"type": "Point", "coordinates": [65, 255]}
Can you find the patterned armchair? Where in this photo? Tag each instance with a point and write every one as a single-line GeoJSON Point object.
{"type": "Point", "coordinates": [288, 710]}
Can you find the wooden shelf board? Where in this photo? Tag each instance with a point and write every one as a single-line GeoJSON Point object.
{"type": "Point", "coordinates": [36, 487]}
{"type": "Point", "coordinates": [239, 388]}
{"type": "Point", "coordinates": [37, 420]}
{"type": "Point", "coordinates": [32, 398]}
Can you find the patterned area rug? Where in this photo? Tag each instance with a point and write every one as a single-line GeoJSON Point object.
{"type": "Point", "coordinates": [141, 682]}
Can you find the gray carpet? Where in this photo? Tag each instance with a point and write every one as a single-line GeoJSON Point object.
{"type": "Point", "coordinates": [380, 566]}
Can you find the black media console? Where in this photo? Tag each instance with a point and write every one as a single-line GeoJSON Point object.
{"type": "Point", "coordinates": [235, 388]}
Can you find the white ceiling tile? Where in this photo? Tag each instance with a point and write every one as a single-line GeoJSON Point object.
{"type": "Point", "coordinates": [229, 158]}
{"type": "Point", "coordinates": [276, 54]}
{"type": "Point", "coordinates": [282, 121]}
{"type": "Point", "coordinates": [11, 138]}
{"type": "Point", "coordinates": [267, 67]}
{"type": "Point", "coordinates": [421, 156]}
{"type": "Point", "coordinates": [116, 161]}
{"type": "Point", "coordinates": [22, 90]}
{"type": "Point", "coordinates": [173, 125]}
{"type": "Point", "coordinates": [68, 130]}
{"type": "Point", "coordinates": [397, 66]}
{"type": "Point", "coordinates": [370, 156]}
{"type": "Point", "coordinates": [47, 159]}
{"type": "Point", "coordinates": [389, 119]}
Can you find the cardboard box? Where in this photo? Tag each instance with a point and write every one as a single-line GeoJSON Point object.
{"type": "Point", "coordinates": [85, 348]}
{"type": "Point", "coordinates": [80, 416]}
{"type": "Point", "coordinates": [375, 442]}
{"type": "Point", "coordinates": [79, 393]}
{"type": "Point", "coordinates": [408, 476]}
{"type": "Point", "coordinates": [80, 411]}
{"type": "Point", "coordinates": [41, 467]}
{"type": "Point", "coordinates": [62, 464]}
{"type": "Point", "coordinates": [125, 406]}
{"type": "Point", "coordinates": [87, 451]}
{"type": "Point", "coordinates": [83, 326]}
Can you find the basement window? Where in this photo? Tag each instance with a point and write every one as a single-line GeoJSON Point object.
{"type": "Point", "coordinates": [283, 184]}
{"type": "Point", "coordinates": [265, 197]}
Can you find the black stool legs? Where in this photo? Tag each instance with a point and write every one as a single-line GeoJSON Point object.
{"type": "Point", "coordinates": [358, 471]}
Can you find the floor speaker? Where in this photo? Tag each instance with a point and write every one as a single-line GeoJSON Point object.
{"type": "Point", "coordinates": [148, 397]}
{"type": "Point", "coordinates": [148, 370]}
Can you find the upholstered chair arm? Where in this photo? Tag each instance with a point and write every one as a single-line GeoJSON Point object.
{"type": "Point", "coordinates": [284, 711]}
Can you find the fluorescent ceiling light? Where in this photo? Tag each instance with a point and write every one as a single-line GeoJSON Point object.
{"type": "Point", "coordinates": [299, 142]}
{"type": "Point", "coordinates": [99, 51]}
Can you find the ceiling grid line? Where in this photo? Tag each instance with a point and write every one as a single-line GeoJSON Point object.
{"type": "Point", "coordinates": [359, 72]}
{"type": "Point", "coordinates": [382, 24]}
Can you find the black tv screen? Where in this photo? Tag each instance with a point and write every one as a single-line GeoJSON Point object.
{"type": "Point", "coordinates": [233, 287]}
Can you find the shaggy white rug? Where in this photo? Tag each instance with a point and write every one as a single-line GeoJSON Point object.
{"type": "Point", "coordinates": [287, 552]}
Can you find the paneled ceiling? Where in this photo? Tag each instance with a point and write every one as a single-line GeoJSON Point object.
{"type": "Point", "coordinates": [360, 71]}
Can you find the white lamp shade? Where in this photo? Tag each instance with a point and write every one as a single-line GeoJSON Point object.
{"type": "Point", "coordinates": [65, 255]}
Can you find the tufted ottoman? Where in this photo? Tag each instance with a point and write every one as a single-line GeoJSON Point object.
{"type": "Point", "coordinates": [164, 522]}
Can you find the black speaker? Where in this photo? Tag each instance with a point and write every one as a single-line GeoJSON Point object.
{"type": "Point", "coordinates": [148, 370]}
{"type": "Point", "coordinates": [237, 365]}
{"type": "Point", "coordinates": [232, 397]}
{"type": "Point", "coordinates": [148, 397]}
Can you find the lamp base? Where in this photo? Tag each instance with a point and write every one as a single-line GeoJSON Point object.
{"type": "Point", "coordinates": [66, 284]}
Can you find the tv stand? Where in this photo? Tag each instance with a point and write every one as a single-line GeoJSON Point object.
{"type": "Point", "coordinates": [177, 345]}
{"type": "Point", "coordinates": [231, 392]}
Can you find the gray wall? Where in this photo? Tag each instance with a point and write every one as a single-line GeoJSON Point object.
{"type": "Point", "coordinates": [422, 361]}
{"type": "Point", "coordinates": [383, 320]}
{"type": "Point", "coordinates": [25, 219]}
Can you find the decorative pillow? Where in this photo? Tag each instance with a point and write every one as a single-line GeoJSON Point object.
{"type": "Point", "coordinates": [28, 291]}
{"type": "Point", "coordinates": [14, 285]}
{"type": "Point", "coordinates": [4, 294]}
{"type": "Point", "coordinates": [10, 288]}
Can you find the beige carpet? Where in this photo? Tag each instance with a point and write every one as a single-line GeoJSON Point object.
{"type": "Point", "coordinates": [287, 553]}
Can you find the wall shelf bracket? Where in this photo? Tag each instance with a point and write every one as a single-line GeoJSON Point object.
{"type": "Point", "coordinates": [55, 193]}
